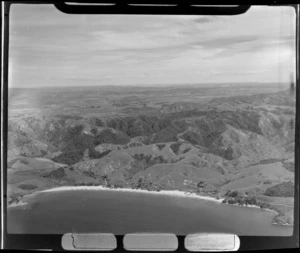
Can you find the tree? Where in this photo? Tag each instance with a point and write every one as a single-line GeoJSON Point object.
{"type": "Point", "coordinates": [139, 183]}
{"type": "Point", "coordinates": [201, 184]}
{"type": "Point", "coordinates": [233, 194]}
{"type": "Point", "coordinates": [104, 178]}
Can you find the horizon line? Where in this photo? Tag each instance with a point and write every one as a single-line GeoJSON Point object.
{"type": "Point", "coordinates": [150, 85]}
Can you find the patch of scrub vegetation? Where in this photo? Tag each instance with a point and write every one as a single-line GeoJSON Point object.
{"type": "Point", "coordinates": [75, 143]}
{"type": "Point", "coordinates": [268, 181]}
{"type": "Point", "coordinates": [167, 134]}
{"type": "Point", "coordinates": [175, 147]}
{"type": "Point", "coordinates": [15, 198]}
{"type": "Point", "coordinates": [142, 162]}
{"type": "Point", "coordinates": [194, 138]}
{"type": "Point", "coordinates": [267, 161]}
{"type": "Point", "coordinates": [227, 153]}
{"type": "Point", "coordinates": [160, 146]}
{"type": "Point", "coordinates": [270, 160]}
{"type": "Point", "coordinates": [134, 145]}
{"type": "Point", "coordinates": [88, 184]}
{"type": "Point", "coordinates": [146, 161]}
{"type": "Point", "coordinates": [235, 197]}
{"type": "Point", "coordinates": [107, 136]}
{"type": "Point", "coordinates": [145, 184]}
{"type": "Point", "coordinates": [186, 150]}
{"type": "Point", "coordinates": [89, 174]}
{"type": "Point", "coordinates": [56, 174]}
{"type": "Point", "coordinates": [284, 189]}
{"type": "Point", "coordinates": [245, 199]}
{"type": "Point", "coordinates": [27, 186]}
{"type": "Point", "coordinates": [22, 140]}
{"type": "Point", "coordinates": [71, 158]}
{"type": "Point", "coordinates": [290, 166]}
{"type": "Point", "coordinates": [150, 160]}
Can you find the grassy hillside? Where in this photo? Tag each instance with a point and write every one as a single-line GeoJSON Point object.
{"type": "Point", "coordinates": [146, 140]}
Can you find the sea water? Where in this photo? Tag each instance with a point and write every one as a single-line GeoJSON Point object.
{"type": "Point", "coordinates": [121, 212]}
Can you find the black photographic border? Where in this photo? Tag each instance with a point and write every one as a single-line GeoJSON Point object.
{"type": "Point", "coordinates": [50, 241]}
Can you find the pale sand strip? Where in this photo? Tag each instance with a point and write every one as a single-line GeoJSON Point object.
{"type": "Point", "coordinates": [174, 193]}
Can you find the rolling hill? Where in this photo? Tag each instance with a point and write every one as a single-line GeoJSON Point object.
{"type": "Point", "coordinates": [242, 143]}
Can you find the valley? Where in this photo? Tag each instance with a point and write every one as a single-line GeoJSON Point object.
{"type": "Point", "coordinates": [234, 143]}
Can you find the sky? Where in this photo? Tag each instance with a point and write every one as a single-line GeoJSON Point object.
{"type": "Point", "coordinates": [50, 48]}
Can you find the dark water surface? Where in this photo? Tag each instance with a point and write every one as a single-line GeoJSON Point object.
{"type": "Point", "coordinates": [128, 212]}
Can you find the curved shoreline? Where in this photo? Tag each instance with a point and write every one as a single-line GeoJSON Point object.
{"type": "Point", "coordinates": [174, 193]}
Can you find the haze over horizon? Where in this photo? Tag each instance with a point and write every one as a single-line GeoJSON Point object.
{"type": "Point", "coordinates": [278, 86]}
{"type": "Point", "coordinates": [50, 49]}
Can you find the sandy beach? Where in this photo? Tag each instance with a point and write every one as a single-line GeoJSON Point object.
{"type": "Point", "coordinates": [174, 193]}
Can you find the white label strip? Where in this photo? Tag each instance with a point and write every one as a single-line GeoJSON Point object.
{"type": "Point", "coordinates": [212, 242]}
{"type": "Point", "coordinates": [89, 241]}
{"type": "Point", "coordinates": [150, 242]}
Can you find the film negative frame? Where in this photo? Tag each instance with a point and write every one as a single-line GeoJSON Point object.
{"type": "Point", "coordinates": [38, 241]}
